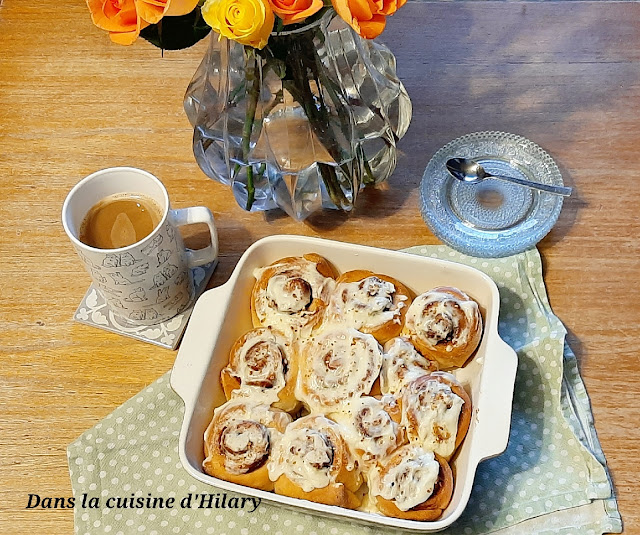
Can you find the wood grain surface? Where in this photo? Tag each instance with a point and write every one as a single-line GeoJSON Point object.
{"type": "Point", "coordinates": [563, 74]}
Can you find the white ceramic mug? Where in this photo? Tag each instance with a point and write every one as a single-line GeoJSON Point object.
{"type": "Point", "coordinates": [150, 281]}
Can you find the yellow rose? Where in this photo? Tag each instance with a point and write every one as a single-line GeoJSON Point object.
{"type": "Point", "coordinates": [249, 22]}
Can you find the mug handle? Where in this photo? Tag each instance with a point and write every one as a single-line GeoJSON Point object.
{"type": "Point", "coordinates": [189, 216]}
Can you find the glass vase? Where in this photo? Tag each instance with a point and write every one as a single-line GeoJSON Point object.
{"type": "Point", "coordinates": [302, 124]}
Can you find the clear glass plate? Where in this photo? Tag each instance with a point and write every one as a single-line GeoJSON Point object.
{"type": "Point", "coordinates": [492, 218]}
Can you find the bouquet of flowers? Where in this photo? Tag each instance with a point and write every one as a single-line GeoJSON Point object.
{"type": "Point", "coordinates": [289, 58]}
{"type": "Point", "coordinates": [174, 24]}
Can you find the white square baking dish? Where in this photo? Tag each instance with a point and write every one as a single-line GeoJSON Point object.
{"type": "Point", "coordinates": [222, 314]}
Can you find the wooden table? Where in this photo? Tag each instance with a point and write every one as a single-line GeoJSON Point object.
{"type": "Point", "coordinates": [564, 74]}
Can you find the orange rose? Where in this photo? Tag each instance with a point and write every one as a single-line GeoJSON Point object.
{"type": "Point", "coordinates": [366, 17]}
{"type": "Point", "coordinates": [291, 11]}
{"type": "Point", "coordinates": [153, 10]}
{"type": "Point", "coordinates": [124, 19]}
{"type": "Point", "coordinates": [118, 17]}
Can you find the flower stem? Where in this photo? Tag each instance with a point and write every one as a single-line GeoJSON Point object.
{"type": "Point", "coordinates": [253, 78]}
{"type": "Point", "coordinates": [302, 63]}
{"type": "Point", "coordinates": [240, 90]}
{"type": "Point", "coordinates": [369, 177]}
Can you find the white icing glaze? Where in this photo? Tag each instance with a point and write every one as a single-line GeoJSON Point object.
{"type": "Point", "coordinates": [368, 428]}
{"type": "Point", "coordinates": [239, 439]}
{"type": "Point", "coordinates": [338, 364]}
{"type": "Point", "coordinates": [401, 364]}
{"type": "Point", "coordinates": [441, 322]}
{"type": "Point", "coordinates": [368, 505]}
{"type": "Point", "coordinates": [242, 410]}
{"type": "Point", "coordinates": [288, 300]}
{"type": "Point", "coordinates": [368, 303]}
{"type": "Point", "coordinates": [290, 290]}
{"type": "Point", "coordinates": [410, 482]}
{"type": "Point", "coordinates": [227, 425]}
{"type": "Point", "coordinates": [245, 443]}
{"type": "Point", "coordinates": [260, 366]}
{"type": "Point", "coordinates": [436, 410]}
{"type": "Point", "coordinates": [305, 456]}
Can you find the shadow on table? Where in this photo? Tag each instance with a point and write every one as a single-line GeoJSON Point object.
{"type": "Point", "coordinates": [555, 73]}
{"type": "Point", "coordinates": [550, 72]}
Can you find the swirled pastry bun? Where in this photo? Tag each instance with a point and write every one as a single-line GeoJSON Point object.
{"type": "Point", "coordinates": [371, 427]}
{"type": "Point", "coordinates": [337, 364]}
{"type": "Point", "coordinates": [413, 483]}
{"type": "Point", "coordinates": [291, 294]}
{"type": "Point", "coordinates": [445, 325]}
{"type": "Point", "coordinates": [436, 411]}
{"type": "Point", "coordinates": [312, 462]}
{"type": "Point", "coordinates": [239, 440]}
{"type": "Point", "coordinates": [372, 303]}
{"type": "Point", "coordinates": [401, 364]}
{"type": "Point", "coordinates": [263, 366]}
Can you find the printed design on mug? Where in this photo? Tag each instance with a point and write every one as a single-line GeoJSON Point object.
{"type": "Point", "coordinates": [181, 278]}
{"type": "Point", "coordinates": [153, 244]}
{"type": "Point", "coordinates": [163, 294]}
{"type": "Point", "coordinates": [120, 279]}
{"type": "Point", "coordinates": [148, 314]}
{"type": "Point", "coordinates": [174, 302]}
{"type": "Point", "coordinates": [116, 260]}
{"type": "Point", "coordinates": [171, 233]}
{"type": "Point", "coordinates": [135, 271]}
{"type": "Point", "coordinates": [141, 269]}
{"type": "Point", "coordinates": [107, 289]}
{"type": "Point", "coordinates": [99, 277]}
{"type": "Point", "coordinates": [88, 262]}
{"type": "Point", "coordinates": [117, 303]}
{"type": "Point", "coordinates": [162, 256]}
{"type": "Point", "coordinates": [138, 295]}
{"type": "Point", "coordinates": [161, 278]}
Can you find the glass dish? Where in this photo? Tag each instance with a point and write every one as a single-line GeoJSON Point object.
{"type": "Point", "coordinates": [491, 218]}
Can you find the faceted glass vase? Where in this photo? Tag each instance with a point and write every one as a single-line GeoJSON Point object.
{"type": "Point", "coordinates": [302, 124]}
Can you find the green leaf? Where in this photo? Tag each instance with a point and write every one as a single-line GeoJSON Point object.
{"type": "Point", "coordinates": [175, 33]}
{"type": "Point", "coordinates": [278, 66]}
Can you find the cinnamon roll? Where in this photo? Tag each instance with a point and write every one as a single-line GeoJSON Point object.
{"type": "Point", "coordinates": [436, 411]}
{"type": "Point", "coordinates": [372, 303]}
{"type": "Point", "coordinates": [312, 462]}
{"type": "Point", "coordinates": [262, 365]}
{"type": "Point", "coordinates": [414, 483]}
{"type": "Point", "coordinates": [401, 363]}
{"type": "Point", "coordinates": [239, 440]}
{"type": "Point", "coordinates": [335, 366]}
{"type": "Point", "coordinates": [371, 427]}
{"type": "Point", "coordinates": [291, 294]}
{"type": "Point", "coordinates": [445, 325]}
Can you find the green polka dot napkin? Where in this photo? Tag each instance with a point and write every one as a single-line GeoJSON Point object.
{"type": "Point", "coordinates": [552, 478]}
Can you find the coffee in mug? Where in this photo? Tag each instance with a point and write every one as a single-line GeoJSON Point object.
{"type": "Point", "coordinates": [120, 220]}
{"type": "Point", "coordinates": [133, 250]}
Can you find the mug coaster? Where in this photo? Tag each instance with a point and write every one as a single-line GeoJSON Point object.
{"type": "Point", "coordinates": [93, 310]}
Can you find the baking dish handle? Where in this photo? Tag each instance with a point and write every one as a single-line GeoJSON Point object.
{"type": "Point", "coordinates": [191, 364]}
{"type": "Point", "coordinates": [495, 419]}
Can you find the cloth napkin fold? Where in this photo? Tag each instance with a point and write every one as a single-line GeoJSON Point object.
{"type": "Point", "coordinates": [552, 478]}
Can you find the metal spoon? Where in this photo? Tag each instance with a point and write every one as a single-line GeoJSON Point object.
{"type": "Point", "coordinates": [471, 172]}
